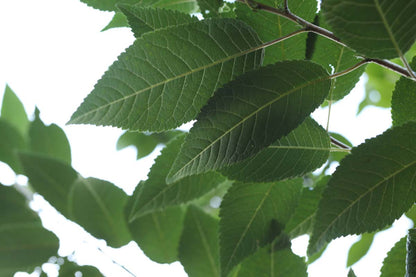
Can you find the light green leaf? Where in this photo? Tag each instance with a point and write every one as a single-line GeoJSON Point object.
{"type": "Point", "coordinates": [98, 206]}
{"type": "Point", "coordinates": [107, 5]}
{"type": "Point", "coordinates": [49, 177]}
{"type": "Point", "coordinates": [395, 263]}
{"type": "Point", "coordinates": [166, 76]}
{"type": "Point", "coordinates": [411, 253]}
{"type": "Point", "coordinates": [249, 114]}
{"type": "Point", "coordinates": [404, 100]}
{"type": "Point", "coordinates": [13, 112]}
{"type": "Point", "coordinates": [24, 243]}
{"type": "Point", "coordinates": [302, 220]}
{"type": "Point", "coordinates": [49, 140]}
{"type": "Point", "coordinates": [301, 151]}
{"type": "Point", "coordinates": [370, 188]}
{"type": "Point", "coordinates": [336, 58]}
{"type": "Point", "coordinates": [158, 233]}
{"type": "Point", "coordinates": [253, 215]}
{"type": "Point", "coordinates": [198, 247]}
{"type": "Point", "coordinates": [154, 194]}
{"type": "Point", "coordinates": [10, 142]}
{"type": "Point", "coordinates": [118, 20]}
{"type": "Point", "coordinates": [376, 28]}
{"type": "Point", "coordinates": [145, 143]}
{"type": "Point", "coordinates": [271, 26]}
{"type": "Point", "coordinates": [360, 248]}
{"type": "Point", "coordinates": [144, 20]}
{"type": "Point", "coordinates": [210, 8]}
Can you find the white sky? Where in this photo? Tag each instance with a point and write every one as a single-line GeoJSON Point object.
{"type": "Point", "coordinates": [52, 53]}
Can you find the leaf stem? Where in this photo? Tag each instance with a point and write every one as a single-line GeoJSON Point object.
{"type": "Point", "coordinates": [348, 70]}
{"type": "Point", "coordinates": [339, 144]}
{"type": "Point", "coordinates": [270, 43]}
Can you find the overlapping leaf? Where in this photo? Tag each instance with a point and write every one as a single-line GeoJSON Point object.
{"type": "Point", "coordinates": [376, 28]}
{"type": "Point", "coordinates": [253, 215]}
{"type": "Point", "coordinates": [166, 76]}
{"type": "Point", "coordinates": [13, 112]}
{"type": "Point", "coordinates": [395, 262]}
{"type": "Point", "coordinates": [118, 20]}
{"type": "Point", "coordinates": [10, 142]}
{"type": "Point", "coordinates": [249, 114]}
{"type": "Point", "coordinates": [154, 194]}
{"type": "Point", "coordinates": [143, 20]}
{"type": "Point", "coordinates": [24, 243]}
{"type": "Point", "coordinates": [372, 187]}
{"type": "Point", "coordinates": [271, 26]}
{"type": "Point", "coordinates": [302, 150]}
{"type": "Point", "coordinates": [107, 5]}
{"type": "Point", "coordinates": [411, 253]}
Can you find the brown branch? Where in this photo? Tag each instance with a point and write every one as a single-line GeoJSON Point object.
{"type": "Point", "coordinates": [339, 144]}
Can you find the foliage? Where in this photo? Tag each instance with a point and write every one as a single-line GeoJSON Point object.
{"type": "Point", "coordinates": [250, 76]}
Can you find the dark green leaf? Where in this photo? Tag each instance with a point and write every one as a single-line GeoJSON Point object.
{"type": "Point", "coordinates": [10, 141]}
{"type": "Point", "coordinates": [51, 178]}
{"type": "Point", "coordinates": [301, 151]}
{"type": "Point", "coordinates": [404, 99]}
{"type": "Point", "coordinates": [351, 273]}
{"type": "Point", "coordinates": [13, 112]}
{"type": "Point", "coordinates": [69, 269]}
{"type": "Point", "coordinates": [98, 206]}
{"type": "Point", "coordinates": [395, 263]}
{"type": "Point", "coordinates": [166, 76]}
{"type": "Point", "coordinates": [360, 248]}
{"type": "Point", "coordinates": [371, 187]}
{"type": "Point", "coordinates": [24, 243]}
{"type": "Point", "coordinates": [249, 114]}
{"type": "Point", "coordinates": [107, 5]}
{"type": "Point", "coordinates": [154, 194]}
{"type": "Point", "coordinates": [411, 253]}
{"type": "Point", "coordinates": [185, 6]}
{"type": "Point", "coordinates": [253, 215]}
{"type": "Point", "coordinates": [158, 233]}
{"type": "Point", "coordinates": [302, 220]}
{"type": "Point", "coordinates": [143, 20]}
{"type": "Point", "coordinates": [210, 8]}
{"type": "Point", "coordinates": [50, 140]}
{"type": "Point", "coordinates": [270, 26]}
{"type": "Point", "coordinates": [119, 20]}
{"type": "Point", "coordinates": [143, 142]}
{"type": "Point", "coordinates": [376, 28]}
{"type": "Point", "coordinates": [198, 247]}
{"type": "Point", "coordinates": [336, 58]}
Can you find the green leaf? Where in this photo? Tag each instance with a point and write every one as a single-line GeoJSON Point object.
{"type": "Point", "coordinates": [337, 58]}
{"type": "Point", "coordinates": [271, 26]}
{"type": "Point", "coordinates": [49, 140]}
{"type": "Point", "coordinates": [24, 243]}
{"type": "Point", "coordinates": [411, 253]}
{"type": "Point", "coordinates": [249, 114]}
{"type": "Point", "coordinates": [403, 100]}
{"type": "Point", "coordinates": [13, 112]}
{"type": "Point", "coordinates": [253, 215]}
{"type": "Point", "coordinates": [303, 217]}
{"type": "Point", "coordinates": [69, 269]}
{"type": "Point", "coordinates": [351, 273]}
{"type": "Point", "coordinates": [145, 143]}
{"type": "Point", "coordinates": [98, 206]}
{"type": "Point", "coordinates": [360, 248]}
{"type": "Point", "coordinates": [166, 76]}
{"type": "Point", "coordinates": [371, 187]}
{"type": "Point", "coordinates": [210, 8]}
{"type": "Point", "coordinates": [301, 151]}
{"type": "Point", "coordinates": [10, 141]}
{"type": "Point", "coordinates": [158, 233]}
{"type": "Point", "coordinates": [154, 194]}
{"type": "Point", "coordinates": [185, 6]}
{"type": "Point", "coordinates": [198, 247]}
{"type": "Point", "coordinates": [144, 20]}
{"type": "Point", "coordinates": [49, 177]}
{"type": "Point", "coordinates": [376, 28]}
{"type": "Point", "coordinates": [395, 263]}
{"type": "Point", "coordinates": [118, 20]}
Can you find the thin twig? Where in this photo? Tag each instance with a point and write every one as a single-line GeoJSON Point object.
{"type": "Point", "coordinates": [407, 65]}
{"type": "Point", "coordinates": [339, 144]}
{"type": "Point", "coordinates": [348, 70]}
{"type": "Point", "coordinates": [115, 262]}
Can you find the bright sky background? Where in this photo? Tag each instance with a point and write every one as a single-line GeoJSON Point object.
{"type": "Point", "coordinates": [52, 53]}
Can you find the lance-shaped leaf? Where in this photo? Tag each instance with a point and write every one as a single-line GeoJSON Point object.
{"type": "Point", "coordinates": [24, 243]}
{"type": "Point", "coordinates": [154, 194]}
{"type": "Point", "coordinates": [376, 28]}
{"type": "Point", "coordinates": [249, 114]}
{"type": "Point", "coordinates": [98, 206]}
{"type": "Point", "coordinates": [411, 253]}
{"type": "Point", "coordinates": [165, 77]}
{"type": "Point", "coordinates": [253, 215]}
{"type": "Point", "coordinates": [360, 248]}
{"type": "Point", "coordinates": [143, 20]}
{"type": "Point", "coordinates": [198, 247]}
{"type": "Point", "coordinates": [301, 151]}
{"type": "Point", "coordinates": [10, 142]}
{"type": "Point", "coordinates": [404, 100]}
{"type": "Point", "coordinates": [13, 112]}
{"type": "Point", "coordinates": [395, 263]}
{"type": "Point", "coordinates": [271, 26]}
{"type": "Point", "coordinates": [371, 188]}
